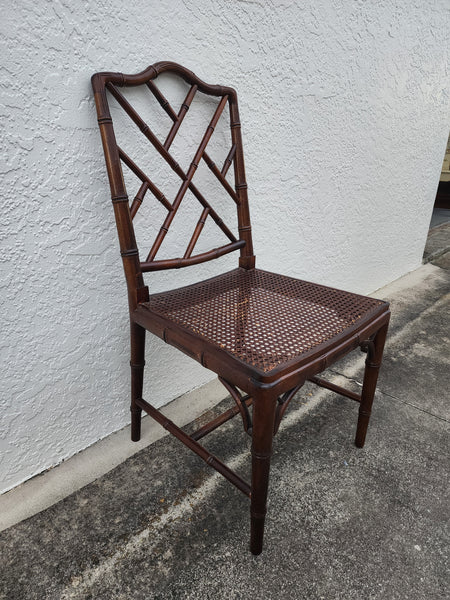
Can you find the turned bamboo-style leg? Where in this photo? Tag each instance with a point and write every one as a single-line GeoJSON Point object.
{"type": "Point", "coordinates": [373, 362]}
{"type": "Point", "coordinates": [264, 404]}
{"type": "Point", "coordinates": [137, 362]}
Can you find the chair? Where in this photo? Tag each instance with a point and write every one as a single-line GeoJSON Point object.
{"type": "Point", "coordinates": [263, 334]}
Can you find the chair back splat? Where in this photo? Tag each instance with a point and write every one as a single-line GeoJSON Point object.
{"type": "Point", "coordinates": [262, 333]}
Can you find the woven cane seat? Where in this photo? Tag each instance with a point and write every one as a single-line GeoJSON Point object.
{"type": "Point", "coordinates": [262, 318]}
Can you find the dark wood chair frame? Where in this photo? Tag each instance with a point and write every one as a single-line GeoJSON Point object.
{"type": "Point", "coordinates": [268, 392]}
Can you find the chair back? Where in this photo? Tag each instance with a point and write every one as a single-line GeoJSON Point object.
{"type": "Point", "coordinates": [113, 85]}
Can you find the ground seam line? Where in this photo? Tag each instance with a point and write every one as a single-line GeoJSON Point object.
{"type": "Point", "coordinates": [394, 397]}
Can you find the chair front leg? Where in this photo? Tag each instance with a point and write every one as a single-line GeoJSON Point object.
{"type": "Point", "coordinates": [137, 362]}
{"type": "Point", "coordinates": [373, 362]}
{"type": "Point", "coordinates": [264, 405]}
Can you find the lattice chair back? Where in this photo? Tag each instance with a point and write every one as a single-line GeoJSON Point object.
{"type": "Point", "coordinates": [106, 86]}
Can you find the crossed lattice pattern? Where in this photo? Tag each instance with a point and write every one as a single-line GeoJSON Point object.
{"type": "Point", "coordinates": [186, 177]}
{"type": "Point", "coordinates": [262, 318]}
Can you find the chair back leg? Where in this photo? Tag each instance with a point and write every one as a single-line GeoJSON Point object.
{"type": "Point", "coordinates": [137, 362]}
{"type": "Point", "coordinates": [264, 406]}
{"type": "Point", "coordinates": [373, 362]}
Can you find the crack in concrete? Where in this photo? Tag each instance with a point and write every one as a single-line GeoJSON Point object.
{"type": "Point", "coordinates": [384, 393]}
{"type": "Point", "coordinates": [415, 406]}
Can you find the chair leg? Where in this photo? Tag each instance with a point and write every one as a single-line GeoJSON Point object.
{"type": "Point", "coordinates": [137, 362]}
{"type": "Point", "coordinates": [373, 362]}
{"type": "Point", "coordinates": [264, 405]}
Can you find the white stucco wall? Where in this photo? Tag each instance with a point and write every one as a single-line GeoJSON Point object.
{"type": "Point", "coordinates": [345, 108]}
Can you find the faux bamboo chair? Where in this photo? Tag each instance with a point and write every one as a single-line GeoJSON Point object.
{"type": "Point", "coordinates": [263, 334]}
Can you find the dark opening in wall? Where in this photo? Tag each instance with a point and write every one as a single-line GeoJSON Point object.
{"type": "Point", "coordinates": [441, 211]}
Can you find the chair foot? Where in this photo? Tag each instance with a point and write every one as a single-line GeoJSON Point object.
{"type": "Point", "coordinates": [264, 406]}
{"type": "Point", "coordinates": [373, 362]}
{"type": "Point", "coordinates": [136, 415]}
{"type": "Point", "coordinates": [137, 362]}
{"type": "Point", "coordinates": [257, 534]}
{"type": "Point", "coordinates": [361, 430]}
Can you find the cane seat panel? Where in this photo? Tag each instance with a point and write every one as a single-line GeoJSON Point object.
{"type": "Point", "coordinates": [261, 318]}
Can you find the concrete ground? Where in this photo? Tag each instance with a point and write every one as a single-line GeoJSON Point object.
{"type": "Point", "coordinates": [343, 523]}
{"type": "Point", "coordinates": [438, 241]}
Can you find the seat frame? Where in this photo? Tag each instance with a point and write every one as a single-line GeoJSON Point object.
{"type": "Point", "coordinates": [268, 393]}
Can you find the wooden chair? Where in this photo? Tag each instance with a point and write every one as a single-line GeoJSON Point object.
{"type": "Point", "coordinates": [263, 334]}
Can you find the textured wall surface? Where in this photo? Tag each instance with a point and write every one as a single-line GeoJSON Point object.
{"type": "Point", "coordinates": [344, 106]}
